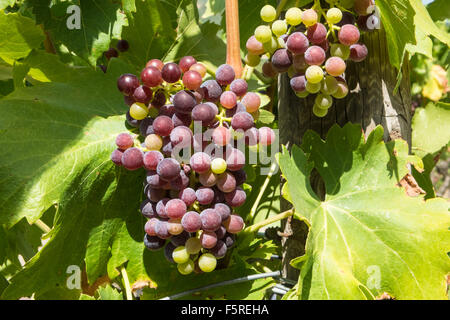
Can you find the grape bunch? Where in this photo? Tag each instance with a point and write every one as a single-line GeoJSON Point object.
{"type": "Point", "coordinates": [313, 53]}
{"type": "Point", "coordinates": [190, 130]}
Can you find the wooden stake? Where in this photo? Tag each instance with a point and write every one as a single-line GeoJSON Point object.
{"type": "Point", "coordinates": [233, 40]}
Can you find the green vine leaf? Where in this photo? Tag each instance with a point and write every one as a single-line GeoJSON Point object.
{"type": "Point", "coordinates": [367, 237]}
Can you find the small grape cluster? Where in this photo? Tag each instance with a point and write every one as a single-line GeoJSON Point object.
{"type": "Point", "coordinates": [121, 46]}
{"type": "Point", "coordinates": [189, 203]}
{"type": "Point", "coordinates": [312, 54]}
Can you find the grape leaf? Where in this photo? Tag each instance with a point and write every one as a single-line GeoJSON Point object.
{"type": "Point", "coordinates": [6, 3]}
{"type": "Point", "coordinates": [367, 237]}
{"type": "Point", "coordinates": [109, 293]}
{"type": "Point", "coordinates": [439, 9]}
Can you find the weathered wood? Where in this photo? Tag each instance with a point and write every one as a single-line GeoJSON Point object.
{"type": "Point", "coordinates": [371, 102]}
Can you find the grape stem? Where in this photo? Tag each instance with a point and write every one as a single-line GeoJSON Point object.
{"type": "Point", "coordinates": [272, 170]}
{"type": "Point", "coordinates": [126, 283]}
{"type": "Point", "coordinates": [280, 7]}
{"type": "Point", "coordinates": [254, 228]}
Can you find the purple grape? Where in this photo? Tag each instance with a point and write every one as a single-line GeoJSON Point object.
{"type": "Point", "coordinates": [182, 119]}
{"type": "Point", "coordinates": [168, 169]}
{"type": "Point", "coordinates": [242, 120]}
{"type": "Point", "coordinates": [239, 87]}
{"type": "Point", "coordinates": [191, 221]}
{"type": "Point", "coordinates": [315, 56]}
{"type": "Point", "coordinates": [127, 83]}
{"type": "Point", "coordinates": [238, 108]}
{"type": "Point", "coordinates": [235, 159]}
{"type": "Point", "coordinates": [161, 208]}
{"type": "Point", "coordinates": [208, 239]}
{"type": "Point", "coordinates": [282, 60]}
{"type": "Point", "coordinates": [234, 224]}
{"type": "Point", "coordinates": [218, 196]}
{"type": "Point", "coordinates": [211, 90]}
{"type": "Point", "coordinates": [167, 110]}
{"type": "Point", "coordinates": [184, 101]}
{"type": "Point", "coordinates": [167, 147]}
{"type": "Point", "coordinates": [188, 196]}
{"type": "Point", "coordinates": [148, 209]}
{"type": "Point", "coordinates": [163, 126]}
{"type": "Point", "coordinates": [180, 183]}
{"type": "Point", "coordinates": [240, 176]}
{"type": "Point", "coordinates": [211, 220]}
{"type": "Point", "coordinates": [230, 240]}
{"type": "Point", "coordinates": [226, 182]}
{"type": "Point", "coordinates": [297, 43]}
{"type": "Point", "coordinates": [168, 251]}
{"type": "Point", "coordinates": [153, 243]}
{"type": "Point", "coordinates": [180, 239]}
{"type": "Point", "coordinates": [171, 72]}
{"type": "Point", "coordinates": [204, 195]}
{"type": "Point", "coordinates": [128, 100]}
{"type": "Point", "coordinates": [223, 210]}
{"type": "Point", "coordinates": [143, 94]}
{"type": "Point", "coordinates": [146, 128]}
{"type": "Point", "coordinates": [225, 74]}
{"type": "Point", "coordinates": [317, 33]}
{"type": "Point", "coordinates": [133, 159]}
{"type": "Point", "coordinates": [111, 53]}
{"type": "Point", "coordinates": [221, 232]}
{"type": "Point", "coordinates": [203, 113]}
{"type": "Point", "coordinates": [116, 157]}
{"type": "Point", "coordinates": [298, 84]}
{"type": "Point", "coordinates": [161, 230]}
{"type": "Point", "coordinates": [200, 162]}
{"type": "Point", "coordinates": [159, 99]}
{"type": "Point", "coordinates": [236, 198]}
{"type": "Point", "coordinates": [358, 52]}
{"type": "Point", "coordinates": [154, 180]}
{"type": "Point", "coordinates": [219, 250]}
{"type": "Point", "coordinates": [122, 45]}
{"type": "Point", "coordinates": [152, 159]}
{"type": "Point", "coordinates": [251, 136]}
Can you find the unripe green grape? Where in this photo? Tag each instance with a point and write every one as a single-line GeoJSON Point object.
{"type": "Point", "coordinates": [318, 112]}
{"type": "Point", "coordinates": [186, 268]}
{"type": "Point", "coordinates": [193, 245]}
{"type": "Point", "coordinates": [138, 111]}
{"type": "Point", "coordinates": [302, 94]}
{"type": "Point", "coordinates": [313, 87]}
{"type": "Point", "coordinates": [271, 46]}
{"type": "Point", "coordinates": [334, 15]}
{"type": "Point", "coordinates": [329, 85]}
{"type": "Point", "coordinates": [268, 13]}
{"type": "Point", "coordinates": [342, 91]}
{"type": "Point", "coordinates": [153, 142]}
{"type": "Point", "coordinates": [251, 60]}
{"type": "Point", "coordinates": [218, 166]}
{"type": "Point", "coordinates": [314, 74]}
{"type": "Point", "coordinates": [279, 27]}
{"type": "Point", "coordinates": [180, 255]}
{"type": "Point", "coordinates": [340, 50]}
{"type": "Point", "coordinates": [153, 112]}
{"type": "Point", "coordinates": [309, 17]}
{"type": "Point", "coordinates": [263, 34]}
{"type": "Point", "coordinates": [294, 16]}
{"type": "Point", "coordinates": [323, 101]}
{"type": "Point", "coordinates": [207, 262]}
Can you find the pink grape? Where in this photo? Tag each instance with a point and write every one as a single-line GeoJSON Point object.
{"type": "Point", "coordinates": [188, 196]}
{"type": "Point", "coordinates": [124, 141]}
{"type": "Point", "coordinates": [239, 87]}
{"type": "Point", "coordinates": [152, 159]}
{"type": "Point", "coordinates": [208, 239]}
{"type": "Point", "coordinates": [315, 56]}
{"type": "Point", "coordinates": [186, 63]}
{"type": "Point", "coordinates": [251, 101]}
{"type": "Point", "coordinates": [192, 80]}
{"type": "Point", "coordinates": [175, 208]}
{"type": "Point", "coordinates": [204, 195]}
{"type": "Point", "coordinates": [225, 74]}
{"type": "Point", "coordinates": [348, 34]}
{"type": "Point", "coordinates": [317, 33]}
{"type": "Point", "coordinates": [228, 99]}
{"type": "Point", "coordinates": [335, 66]}
{"type": "Point", "coordinates": [151, 77]}
{"type": "Point", "coordinates": [254, 46]}
{"type": "Point", "coordinates": [297, 43]}
{"type": "Point", "coordinates": [358, 52]}
{"type": "Point", "coordinates": [221, 136]}
{"type": "Point", "coordinates": [133, 159]}
{"type": "Point", "coordinates": [211, 220]}
{"type": "Point", "coordinates": [234, 224]}
{"type": "Point", "coordinates": [156, 63]}
{"type": "Point", "coordinates": [226, 182]}
{"type": "Point", "coordinates": [200, 162]}
{"type": "Point", "coordinates": [116, 157]}
{"type": "Point", "coordinates": [266, 136]}
{"type": "Point", "coordinates": [191, 221]}
{"type": "Point", "coordinates": [236, 198]}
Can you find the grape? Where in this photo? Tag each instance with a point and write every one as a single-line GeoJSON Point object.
{"type": "Point", "coordinates": [364, 7]}
{"type": "Point", "coordinates": [220, 249]}
{"type": "Point", "coordinates": [159, 99]}
{"type": "Point", "coordinates": [168, 169]}
{"type": "Point", "coordinates": [282, 60]}
{"type": "Point", "coordinates": [334, 15]}
{"type": "Point", "coordinates": [171, 72]}
{"type": "Point", "coordinates": [208, 239]}
{"type": "Point", "coordinates": [186, 63]}
{"type": "Point", "coordinates": [263, 34]}
{"type": "Point", "coordinates": [145, 127]}
{"type": "Point", "coordinates": [211, 219]}
{"type": "Point", "coordinates": [207, 262]}
{"type": "Point", "coordinates": [317, 33]}
{"type": "Point", "coordinates": [148, 209]}
{"type": "Point", "coordinates": [181, 120]}
{"type": "Point", "coordinates": [111, 53]}
{"type": "Point", "coordinates": [254, 47]}
{"type": "Point", "coordinates": [133, 159]}
{"type": "Point", "coordinates": [103, 68]}
{"type": "Point", "coordinates": [191, 221]}
{"type": "Point", "coordinates": [200, 162]}
{"type": "Point", "coordinates": [143, 94]}
{"type": "Point", "coordinates": [193, 245]}
{"type": "Point", "coordinates": [297, 43]}
{"type": "Point", "coordinates": [268, 13]}
{"type": "Point", "coordinates": [180, 255]}
{"type": "Point", "coordinates": [234, 224]}
{"type": "Point", "coordinates": [138, 111]}
{"type": "Point", "coordinates": [175, 208]}
{"type": "Point", "coordinates": [153, 180]}
{"type": "Point", "coordinates": [212, 90]}
{"type": "Point", "coordinates": [236, 198]}
{"type": "Point", "coordinates": [348, 34]}
{"type": "Point", "coordinates": [251, 137]}
{"type": "Point", "coordinates": [161, 208]}
{"type": "Point", "coordinates": [302, 95]}
{"type": "Point", "coordinates": [124, 141]}
{"type": "Point", "coordinates": [122, 45]}
{"type": "Point", "coordinates": [235, 159]}
{"type": "Point", "coordinates": [153, 243]}
{"type": "Point", "coordinates": [221, 136]}
{"type": "Point", "coordinates": [226, 182]}
{"type": "Point", "coordinates": [335, 66]}
{"type": "Point", "coordinates": [156, 63]}
{"type": "Point", "coordinates": [128, 100]}
{"type": "Point", "coordinates": [223, 210]}
{"type": "Point", "coordinates": [163, 126]}
{"type": "Point", "coordinates": [152, 159]}
{"type": "Point", "coordinates": [168, 251]}
{"type": "Point", "coordinates": [127, 83]}
{"type": "Point", "coordinates": [167, 110]}
{"type": "Point", "coordinates": [299, 63]}
{"type": "Point", "coordinates": [238, 108]}
{"type": "Point", "coordinates": [325, 45]}
{"type": "Point", "coordinates": [192, 80]}
{"type": "Point", "coordinates": [228, 99]}
{"type": "Point", "coordinates": [167, 148]}
{"type": "Point", "coordinates": [342, 90]}
{"type": "Point", "coordinates": [161, 230]}
{"type": "Point", "coordinates": [293, 16]}
{"type": "Point", "coordinates": [207, 179]}
{"type": "Point", "coordinates": [229, 240]}
{"type": "Point", "coordinates": [268, 70]}
{"type": "Point", "coordinates": [251, 101]}
{"type": "Point", "coordinates": [221, 232]}
{"type": "Point", "coordinates": [319, 112]}
{"type": "Point", "coordinates": [155, 195]}
{"type": "Point", "coordinates": [239, 87]}
{"type": "Point", "coordinates": [313, 87]}
{"type": "Point", "coordinates": [266, 136]}
{"type": "Point", "coordinates": [340, 50]}
{"type": "Point", "coordinates": [131, 121]}
{"type": "Point", "coordinates": [279, 27]}
{"type": "Point", "coordinates": [151, 77]}
{"type": "Point", "coordinates": [218, 165]}
{"type": "Point", "coordinates": [204, 195]}
{"type": "Point", "coordinates": [200, 68]}
{"type": "Point", "coordinates": [347, 18]}
{"type": "Point", "coordinates": [186, 268]}
{"type": "Point", "coordinates": [329, 85]}
{"type": "Point", "coordinates": [315, 56]}
{"type": "Point", "coordinates": [188, 196]}
{"type": "Point", "coordinates": [153, 142]}
{"type": "Point", "coordinates": [358, 52]}
{"type": "Point", "coordinates": [314, 74]}
{"type": "Point", "coordinates": [309, 17]}
{"type": "Point", "coordinates": [242, 120]}
{"type": "Point", "coordinates": [240, 176]}
{"type": "Point", "coordinates": [174, 227]}
{"type": "Point", "coordinates": [150, 226]}
{"type": "Point", "coordinates": [203, 113]}
{"type": "Point", "coordinates": [323, 101]}
{"type": "Point", "coordinates": [298, 84]}
{"type": "Point", "coordinates": [251, 60]}
{"type": "Point", "coordinates": [225, 74]}
{"type": "Point", "coordinates": [116, 157]}
{"type": "Point", "coordinates": [180, 239]}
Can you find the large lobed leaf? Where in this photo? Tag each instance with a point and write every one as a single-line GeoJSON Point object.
{"type": "Point", "coordinates": [367, 236]}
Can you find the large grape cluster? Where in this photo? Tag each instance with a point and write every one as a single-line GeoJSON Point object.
{"type": "Point", "coordinates": [313, 53]}
{"type": "Point", "coordinates": [189, 202]}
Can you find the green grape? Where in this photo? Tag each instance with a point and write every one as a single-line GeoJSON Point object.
{"type": "Point", "coordinates": [302, 94]}
{"type": "Point", "coordinates": [334, 15]}
{"type": "Point", "coordinates": [180, 255]}
{"type": "Point", "coordinates": [294, 16]}
{"type": "Point", "coordinates": [193, 245]}
{"type": "Point", "coordinates": [279, 27]}
{"type": "Point", "coordinates": [313, 87]}
{"type": "Point", "coordinates": [314, 74]}
{"type": "Point", "coordinates": [153, 112]}
{"type": "Point", "coordinates": [309, 17]}
{"type": "Point", "coordinates": [153, 142]}
{"type": "Point", "coordinates": [218, 166]}
{"type": "Point", "coordinates": [342, 90]}
{"type": "Point", "coordinates": [318, 112]}
{"type": "Point", "coordinates": [329, 85]}
{"type": "Point", "coordinates": [340, 50]}
{"type": "Point", "coordinates": [271, 46]}
{"type": "Point", "coordinates": [207, 262]}
{"type": "Point", "coordinates": [323, 101]}
{"type": "Point", "coordinates": [186, 268]}
{"type": "Point", "coordinates": [263, 34]}
{"type": "Point", "coordinates": [252, 60]}
{"type": "Point", "coordinates": [268, 13]}
{"type": "Point", "coordinates": [138, 111]}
